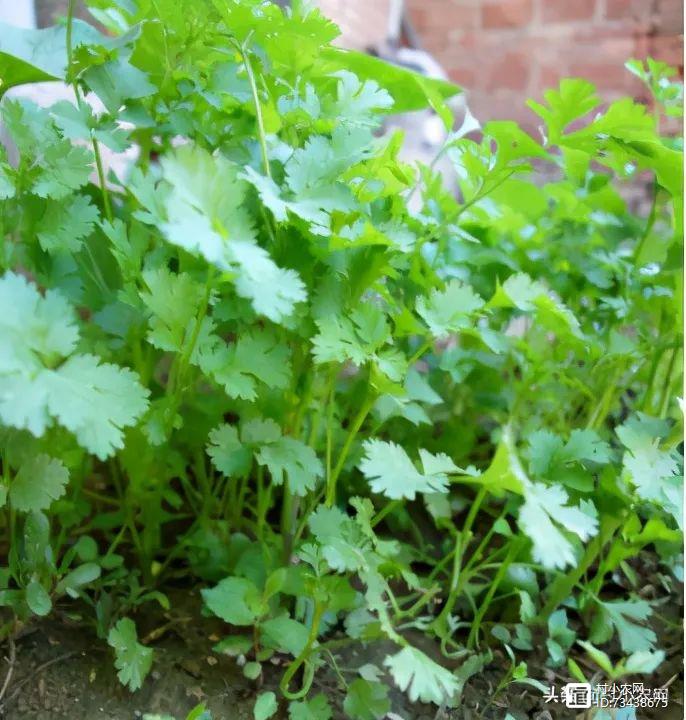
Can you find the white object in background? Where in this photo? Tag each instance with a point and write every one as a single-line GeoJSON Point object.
{"type": "Point", "coordinates": [20, 13]}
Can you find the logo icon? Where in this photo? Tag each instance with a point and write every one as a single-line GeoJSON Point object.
{"type": "Point", "coordinates": [577, 696]}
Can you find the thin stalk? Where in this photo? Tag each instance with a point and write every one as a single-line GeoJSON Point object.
{"type": "Point", "coordinates": [603, 408]}
{"type": "Point", "coordinates": [561, 588]}
{"type": "Point", "coordinates": [476, 555]}
{"type": "Point", "coordinates": [388, 508]}
{"type": "Point", "coordinates": [354, 429]}
{"type": "Point", "coordinates": [287, 521]}
{"type": "Point", "coordinates": [262, 503]}
{"type": "Point", "coordinates": [107, 205]}
{"type": "Point", "coordinates": [243, 52]}
{"type": "Point", "coordinates": [649, 224]}
{"type": "Point", "coordinates": [418, 354]}
{"type": "Point", "coordinates": [461, 543]}
{"type": "Point", "coordinates": [486, 603]}
{"type": "Point", "coordinates": [183, 359]}
{"type": "Point", "coordinates": [664, 396]}
{"type": "Point", "coordinates": [319, 609]}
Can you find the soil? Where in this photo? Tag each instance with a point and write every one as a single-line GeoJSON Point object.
{"type": "Point", "coordinates": [62, 671]}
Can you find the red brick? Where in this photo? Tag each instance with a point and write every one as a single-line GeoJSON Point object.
{"type": "Point", "coordinates": [443, 14]}
{"type": "Point", "coordinates": [549, 77]}
{"type": "Point", "coordinates": [506, 105]}
{"type": "Point", "coordinates": [629, 10]}
{"type": "Point", "coordinates": [554, 11]}
{"type": "Point", "coordinates": [464, 77]}
{"type": "Point", "coordinates": [509, 71]}
{"type": "Point", "coordinates": [506, 13]}
{"type": "Point", "coordinates": [669, 17]}
{"type": "Point", "coordinates": [604, 75]}
{"type": "Point", "coordinates": [668, 49]}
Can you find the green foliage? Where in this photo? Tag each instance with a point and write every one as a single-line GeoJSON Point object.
{"type": "Point", "coordinates": [273, 356]}
{"type": "Point", "coordinates": [132, 660]}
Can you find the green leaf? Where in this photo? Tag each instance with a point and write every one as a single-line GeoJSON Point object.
{"type": "Point", "coordinates": [366, 700]}
{"type": "Point", "coordinates": [404, 86]}
{"type": "Point", "coordinates": [205, 209]}
{"type": "Point", "coordinates": [78, 577]}
{"type": "Point", "coordinates": [448, 311]}
{"type": "Point", "coordinates": [29, 56]}
{"type": "Point", "coordinates": [574, 99]}
{"type": "Point", "coordinates": [644, 662]}
{"type": "Point", "coordinates": [391, 472]}
{"type": "Point", "coordinates": [227, 452]}
{"type": "Point", "coordinates": [419, 676]}
{"type": "Point", "coordinates": [38, 599]}
{"type": "Point", "coordinates": [652, 471]}
{"type": "Point", "coordinates": [174, 301]}
{"type": "Point", "coordinates": [132, 660]}
{"type": "Point", "coordinates": [285, 634]}
{"type": "Point", "coordinates": [64, 225]}
{"type": "Point", "coordinates": [252, 670]}
{"type": "Point", "coordinates": [94, 400]}
{"type": "Point", "coordinates": [624, 617]}
{"type": "Point", "coordinates": [317, 708]}
{"type": "Point", "coordinates": [543, 517]}
{"type": "Point", "coordinates": [265, 706]}
{"type": "Point", "coordinates": [288, 457]}
{"type": "Point", "coordinates": [39, 481]}
{"type": "Point", "coordinates": [256, 357]}
{"type": "Point", "coordinates": [235, 600]}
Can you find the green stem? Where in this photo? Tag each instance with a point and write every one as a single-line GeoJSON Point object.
{"type": "Point", "coordinates": [664, 396]}
{"type": "Point", "coordinates": [476, 556]}
{"type": "Point", "coordinates": [603, 408]}
{"type": "Point", "coordinates": [243, 52]}
{"type": "Point", "coordinates": [418, 354]}
{"type": "Point", "coordinates": [388, 508]}
{"type": "Point", "coordinates": [495, 583]}
{"type": "Point", "coordinates": [182, 360]}
{"type": "Point", "coordinates": [354, 429]}
{"type": "Point", "coordinates": [319, 609]}
{"type": "Point", "coordinates": [461, 543]}
{"type": "Point", "coordinates": [107, 205]}
{"type": "Point", "coordinates": [649, 224]}
{"type": "Point", "coordinates": [287, 521]}
{"type": "Point", "coordinates": [562, 587]}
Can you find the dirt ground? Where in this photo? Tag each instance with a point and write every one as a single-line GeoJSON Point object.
{"type": "Point", "coordinates": [62, 671]}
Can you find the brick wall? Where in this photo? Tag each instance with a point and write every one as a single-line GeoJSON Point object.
{"type": "Point", "coordinates": [504, 51]}
{"type": "Point", "coordinates": [363, 23]}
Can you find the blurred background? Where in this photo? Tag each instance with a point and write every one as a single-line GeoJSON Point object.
{"type": "Point", "coordinates": [505, 51]}
{"type": "Point", "coordinates": [500, 51]}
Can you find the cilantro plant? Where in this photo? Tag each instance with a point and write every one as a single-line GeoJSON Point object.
{"type": "Point", "coordinates": [271, 358]}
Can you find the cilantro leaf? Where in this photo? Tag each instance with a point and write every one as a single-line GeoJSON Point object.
{"type": "Point", "coordinates": [366, 700]}
{"type": "Point", "coordinates": [173, 300]}
{"type": "Point", "coordinates": [292, 458]}
{"type": "Point", "coordinates": [206, 214]}
{"type": "Point", "coordinates": [315, 709]}
{"type": "Point", "coordinates": [544, 509]}
{"type": "Point", "coordinates": [94, 400]}
{"type": "Point", "coordinates": [624, 616]}
{"type": "Point", "coordinates": [40, 480]}
{"type": "Point", "coordinates": [447, 311]}
{"type": "Point", "coordinates": [391, 472]}
{"type": "Point", "coordinates": [132, 660]}
{"type": "Point", "coordinates": [235, 600]}
{"type": "Point", "coordinates": [419, 676]}
{"type": "Point", "coordinates": [265, 706]}
{"type": "Point", "coordinates": [65, 224]}
{"type": "Point", "coordinates": [227, 452]}
{"type": "Point", "coordinates": [256, 356]}
{"type": "Point", "coordinates": [652, 471]}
